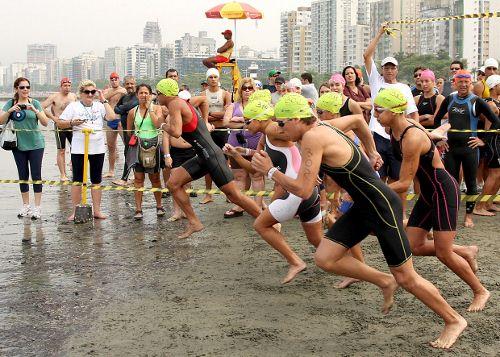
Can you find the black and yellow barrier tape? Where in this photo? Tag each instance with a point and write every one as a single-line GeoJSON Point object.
{"type": "Point", "coordinates": [409, 197]}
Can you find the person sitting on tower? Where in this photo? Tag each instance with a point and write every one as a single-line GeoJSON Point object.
{"type": "Point", "coordinates": [223, 53]}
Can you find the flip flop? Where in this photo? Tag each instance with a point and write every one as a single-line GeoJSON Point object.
{"type": "Point", "coordinates": [232, 213]}
{"type": "Point", "coordinates": [138, 215]}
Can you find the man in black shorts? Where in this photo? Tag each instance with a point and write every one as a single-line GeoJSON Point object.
{"type": "Point", "coordinates": [183, 120]}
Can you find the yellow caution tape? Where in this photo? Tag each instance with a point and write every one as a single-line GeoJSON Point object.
{"type": "Point", "coordinates": [448, 18]}
{"type": "Point", "coordinates": [409, 197]}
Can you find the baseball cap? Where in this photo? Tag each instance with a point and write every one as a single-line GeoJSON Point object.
{"type": "Point", "coordinates": [227, 32]}
{"type": "Point", "coordinates": [168, 87]}
{"type": "Point", "coordinates": [292, 106]}
{"type": "Point", "coordinates": [481, 69]}
{"type": "Point", "coordinates": [204, 82]}
{"type": "Point", "coordinates": [273, 72]}
{"type": "Point", "coordinates": [493, 81]}
{"type": "Point", "coordinates": [65, 80]}
{"type": "Point", "coordinates": [279, 79]}
{"type": "Point", "coordinates": [295, 83]}
{"type": "Point", "coordinates": [258, 110]}
{"type": "Point", "coordinates": [331, 101]}
{"type": "Point", "coordinates": [212, 72]}
{"type": "Point", "coordinates": [114, 75]}
{"type": "Point", "coordinates": [491, 62]}
{"type": "Point", "coordinates": [389, 60]}
{"type": "Point", "coordinates": [391, 99]}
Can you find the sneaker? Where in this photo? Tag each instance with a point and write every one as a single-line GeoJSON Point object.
{"type": "Point", "coordinates": [36, 214]}
{"type": "Point", "coordinates": [24, 212]}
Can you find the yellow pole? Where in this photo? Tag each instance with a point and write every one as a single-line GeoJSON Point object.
{"type": "Point", "coordinates": [86, 132]}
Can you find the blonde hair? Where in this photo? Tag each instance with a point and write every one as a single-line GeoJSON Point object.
{"type": "Point", "coordinates": [85, 83]}
{"type": "Point", "coordinates": [244, 81]}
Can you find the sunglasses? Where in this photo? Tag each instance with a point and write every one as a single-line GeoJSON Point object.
{"type": "Point", "coordinates": [213, 77]}
{"type": "Point", "coordinates": [248, 121]}
{"type": "Point", "coordinates": [281, 123]}
{"type": "Point", "coordinates": [491, 68]}
{"type": "Point", "coordinates": [24, 87]}
{"type": "Point", "coordinates": [416, 75]}
{"type": "Point", "coordinates": [319, 111]}
{"type": "Point", "coordinates": [454, 68]}
{"type": "Point", "coordinates": [245, 88]}
{"type": "Point", "coordinates": [86, 91]}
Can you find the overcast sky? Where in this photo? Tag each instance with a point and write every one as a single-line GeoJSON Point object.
{"type": "Point", "coordinates": [77, 26]}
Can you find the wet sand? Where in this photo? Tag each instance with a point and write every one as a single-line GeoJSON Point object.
{"type": "Point", "coordinates": [120, 287]}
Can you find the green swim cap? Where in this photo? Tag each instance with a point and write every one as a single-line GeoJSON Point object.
{"type": "Point", "coordinates": [331, 102]}
{"type": "Point", "coordinates": [391, 99]}
{"type": "Point", "coordinates": [168, 87]}
{"type": "Point", "coordinates": [292, 106]}
{"type": "Point", "coordinates": [264, 95]}
{"type": "Point", "coordinates": [258, 110]}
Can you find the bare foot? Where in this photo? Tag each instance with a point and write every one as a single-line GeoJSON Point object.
{"type": "Point", "coordinates": [71, 218]}
{"type": "Point", "coordinates": [109, 174]}
{"type": "Point", "coordinates": [176, 217]}
{"type": "Point", "coordinates": [293, 271]}
{"type": "Point", "coordinates": [450, 334]}
{"type": "Point", "coordinates": [479, 301]}
{"type": "Point", "coordinates": [63, 178]}
{"type": "Point", "coordinates": [345, 283]}
{"type": "Point", "coordinates": [472, 257]}
{"type": "Point", "coordinates": [277, 226]}
{"type": "Point", "coordinates": [468, 223]}
{"type": "Point", "coordinates": [493, 208]}
{"type": "Point", "coordinates": [190, 229]}
{"type": "Point", "coordinates": [99, 215]}
{"type": "Point", "coordinates": [206, 199]}
{"type": "Point", "coordinates": [483, 212]}
{"type": "Point", "coordinates": [388, 293]}
{"type": "Point", "coordinates": [119, 182]}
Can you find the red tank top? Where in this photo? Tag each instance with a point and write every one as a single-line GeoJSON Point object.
{"type": "Point", "coordinates": [193, 124]}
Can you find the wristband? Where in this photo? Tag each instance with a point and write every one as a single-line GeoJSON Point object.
{"type": "Point", "coordinates": [166, 155]}
{"type": "Point", "coordinates": [271, 172]}
{"type": "Point", "coordinates": [161, 125]}
{"type": "Point", "coordinates": [105, 101]}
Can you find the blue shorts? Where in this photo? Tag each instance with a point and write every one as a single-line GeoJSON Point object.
{"type": "Point", "coordinates": [113, 124]}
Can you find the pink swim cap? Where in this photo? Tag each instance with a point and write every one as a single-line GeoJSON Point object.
{"type": "Point", "coordinates": [427, 74]}
{"type": "Point", "coordinates": [337, 78]}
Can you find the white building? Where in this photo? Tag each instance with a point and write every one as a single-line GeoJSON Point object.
{"type": "Point", "coordinates": [295, 32]}
{"type": "Point", "coordinates": [192, 46]}
{"type": "Point", "coordinates": [41, 53]}
{"type": "Point", "coordinates": [3, 76]}
{"type": "Point", "coordinates": [15, 70]}
{"type": "Point", "coordinates": [152, 34]}
{"type": "Point", "coordinates": [83, 67]}
{"type": "Point", "coordinates": [115, 61]}
{"type": "Point", "coordinates": [495, 29]}
{"type": "Point", "coordinates": [434, 36]}
{"type": "Point", "coordinates": [167, 59]}
{"type": "Point", "coordinates": [143, 61]}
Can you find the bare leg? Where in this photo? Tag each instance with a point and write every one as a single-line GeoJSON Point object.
{"type": "Point", "coordinates": [208, 186]}
{"type": "Point", "coordinates": [156, 183]}
{"type": "Point", "coordinates": [264, 226]}
{"type": "Point", "coordinates": [96, 202]}
{"type": "Point", "coordinates": [61, 164]}
{"type": "Point", "coordinates": [76, 196]}
{"type": "Point", "coordinates": [357, 254]}
{"type": "Point", "coordinates": [491, 186]}
{"type": "Point", "coordinates": [25, 196]}
{"type": "Point", "coordinates": [423, 290]}
{"type": "Point", "coordinates": [258, 184]}
{"type": "Point", "coordinates": [111, 138]}
{"type": "Point", "coordinates": [235, 196]}
{"type": "Point", "coordinates": [138, 183]}
{"type": "Point", "coordinates": [240, 177]}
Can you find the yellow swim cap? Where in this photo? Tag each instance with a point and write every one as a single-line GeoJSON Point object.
{"type": "Point", "coordinates": [258, 110]}
{"type": "Point", "coordinates": [331, 101]}
{"type": "Point", "coordinates": [168, 87]}
{"type": "Point", "coordinates": [391, 99]}
{"type": "Point", "coordinates": [264, 95]}
{"type": "Point", "coordinates": [292, 106]}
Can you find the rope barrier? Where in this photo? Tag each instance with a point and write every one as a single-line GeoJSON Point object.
{"type": "Point", "coordinates": [409, 197]}
{"type": "Point", "coordinates": [447, 18]}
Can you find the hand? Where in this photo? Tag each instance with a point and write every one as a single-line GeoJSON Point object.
{"type": "Point", "coordinates": [210, 127]}
{"type": "Point", "coordinates": [232, 151]}
{"type": "Point", "coordinates": [77, 121]}
{"type": "Point", "coordinates": [383, 27]}
{"type": "Point", "coordinates": [439, 133]}
{"type": "Point", "coordinates": [168, 162]}
{"type": "Point", "coordinates": [319, 181]}
{"type": "Point", "coordinates": [261, 162]}
{"type": "Point", "coordinates": [443, 146]}
{"type": "Point", "coordinates": [100, 94]}
{"type": "Point", "coordinates": [375, 160]}
{"type": "Point", "coordinates": [14, 108]}
{"type": "Point", "coordinates": [164, 111]}
{"type": "Point", "coordinates": [32, 108]}
{"type": "Point", "coordinates": [475, 142]}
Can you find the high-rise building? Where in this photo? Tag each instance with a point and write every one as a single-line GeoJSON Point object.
{"type": "Point", "coordinates": [15, 70]}
{"type": "Point", "coordinates": [37, 73]}
{"type": "Point", "coordinates": [192, 46]}
{"type": "Point", "coordinates": [495, 29]}
{"type": "Point", "coordinates": [143, 61]}
{"type": "Point", "coordinates": [167, 59]}
{"type": "Point", "coordinates": [3, 76]}
{"type": "Point", "coordinates": [41, 53]}
{"type": "Point", "coordinates": [83, 67]}
{"type": "Point", "coordinates": [152, 34]}
{"type": "Point", "coordinates": [295, 32]}
{"type": "Point", "coordinates": [434, 36]}
{"type": "Point", "coordinates": [115, 61]}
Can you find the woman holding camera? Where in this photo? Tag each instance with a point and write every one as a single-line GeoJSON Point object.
{"type": "Point", "coordinates": [144, 119]}
{"type": "Point", "coordinates": [25, 113]}
{"type": "Point", "coordinates": [87, 114]}
{"type": "Point", "coordinates": [242, 138]}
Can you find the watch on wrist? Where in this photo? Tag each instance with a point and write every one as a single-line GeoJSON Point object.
{"type": "Point", "coordinates": [105, 101]}
{"type": "Point", "coordinates": [166, 155]}
{"type": "Point", "coordinates": [271, 172]}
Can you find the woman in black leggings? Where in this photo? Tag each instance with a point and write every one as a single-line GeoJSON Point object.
{"type": "Point", "coordinates": [25, 114]}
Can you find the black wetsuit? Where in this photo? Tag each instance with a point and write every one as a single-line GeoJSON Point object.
{"type": "Point", "coordinates": [427, 106]}
{"type": "Point", "coordinates": [376, 208]}
{"type": "Point", "coordinates": [463, 114]}
{"type": "Point", "coordinates": [209, 157]}
{"type": "Point", "coordinates": [344, 110]}
{"type": "Point", "coordinates": [439, 199]}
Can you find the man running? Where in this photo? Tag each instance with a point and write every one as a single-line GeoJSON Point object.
{"type": "Point", "coordinates": [57, 103]}
{"type": "Point", "coordinates": [376, 209]}
{"type": "Point", "coordinates": [223, 53]}
{"type": "Point", "coordinates": [113, 95]}
{"type": "Point", "coordinates": [184, 121]}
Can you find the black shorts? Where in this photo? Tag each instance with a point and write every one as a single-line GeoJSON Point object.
{"type": "Point", "coordinates": [96, 162]}
{"type": "Point", "coordinates": [216, 166]}
{"type": "Point", "coordinates": [62, 136]}
{"type": "Point", "coordinates": [391, 165]}
{"type": "Point", "coordinates": [180, 155]}
{"type": "Point", "coordinates": [353, 226]}
{"type": "Point", "coordinates": [219, 138]}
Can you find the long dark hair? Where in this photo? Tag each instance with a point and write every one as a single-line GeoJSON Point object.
{"type": "Point", "coordinates": [357, 81]}
{"type": "Point", "coordinates": [16, 85]}
{"type": "Point", "coordinates": [147, 86]}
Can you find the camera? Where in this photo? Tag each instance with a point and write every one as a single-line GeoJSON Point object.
{"type": "Point", "coordinates": [22, 106]}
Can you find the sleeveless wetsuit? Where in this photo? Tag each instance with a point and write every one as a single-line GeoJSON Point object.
{"type": "Point", "coordinates": [439, 199]}
{"type": "Point", "coordinates": [344, 110]}
{"type": "Point", "coordinates": [427, 106]}
{"type": "Point", "coordinates": [287, 160]}
{"type": "Point", "coordinates": [376, 208]}
{"type": "Point", "coordinates": [209, 157]}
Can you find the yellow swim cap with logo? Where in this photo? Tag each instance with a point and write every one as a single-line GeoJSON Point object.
{"type": "Point", "coordinates": [258, 110]}
{"type": "Point", "coordinates": [292, 106]}
{"type": "Point", "coordinates": [264, 95]}
{"type": "Point", "coordinates": [331, 102]}
{"type": "Point", "coordinates": [168, 87]}
{"type": "Point", "coordinates": [391, 99]}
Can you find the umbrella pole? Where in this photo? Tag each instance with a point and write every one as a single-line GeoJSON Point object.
{"type": "Point", "coordinates": [234, 37]}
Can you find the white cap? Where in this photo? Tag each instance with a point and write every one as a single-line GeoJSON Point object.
{"type": "Point", "coordinates": [294, 83]}
{"type": "Point", "coordinates": [481, 69]}
{"type": "Point", "coordinates": [258, 83]}
{"type": "Point", "coordinates": [184, 94]}
{"type": "Point", "coordinates": [212, 72]}
{"type": "Point", "coordinates": [389, 60]}
{"type": "Point", "coordinates": [491, 62]}
{"type": "Point", "coordinates": [493, 81]}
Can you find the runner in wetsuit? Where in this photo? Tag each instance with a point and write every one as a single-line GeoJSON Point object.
{"type": "Point", "coordinates": [439, 199]}
{"type": "Point", "coordinates": [184, 121]}
{"type": "Point", "coordinates": [376, 209]}
{"type": "Point", "coordinates": [464, 109]}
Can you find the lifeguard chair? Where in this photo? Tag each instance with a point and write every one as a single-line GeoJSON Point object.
{"type": "Point", "coordinates": [235, 76]}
